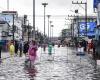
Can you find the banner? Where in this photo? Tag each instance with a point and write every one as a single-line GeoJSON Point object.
{"type": "Point", "coordinates": [95, 3]}
{"type": "Point", "coordinates": [90, 28]}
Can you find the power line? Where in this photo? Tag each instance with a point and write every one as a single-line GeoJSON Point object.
{"type": "Point", "coordinates": [51, 15]}
{"type": "Point", "coordinates": [81, 6]}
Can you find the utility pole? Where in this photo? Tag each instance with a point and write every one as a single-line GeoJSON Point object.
{"type": "Point", "coordinates": [85, 3]}
{"type": "Point", "coordinates": [13, 29]}
{"type": "Point", "coordinates": [72, 26]}
{"type": "Point", "coordinates": [28, 27]}
{"type": "Point", "coordinates": [77, 18]}
{"type": "Point", "coordinates": [33, 34]}
{"type": "Point", "coordinates": [28, 31]}
{"type": "Point", "coordinates": [24, 27]}
{"type": "Point", "coordinates": [7, 5]}
{"type": "Point", "coordinates": [78, 28]}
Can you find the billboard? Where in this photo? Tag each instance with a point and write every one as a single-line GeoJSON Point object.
{"type": "Point", "coordinates": [95, 3]}
{"type": "Point", "coordinates": [8, 18]}
{"type": "Point", "coordinates": [90, 28]}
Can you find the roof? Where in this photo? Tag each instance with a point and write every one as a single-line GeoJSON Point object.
{"type": "Point", "coordinates": [9, 12]}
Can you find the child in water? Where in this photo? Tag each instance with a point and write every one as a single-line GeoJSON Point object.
{"type": "Point", "coordinates": [32, 52]}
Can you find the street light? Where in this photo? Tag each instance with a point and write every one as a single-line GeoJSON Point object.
{"type": "Point", "coordinates": [33, 34]}
{"type": "Point", "coordinates": [52, 32]}
{"type": "Point", "coordinates": [50, 29]}
{"type": "Point", "coordinates": [44, 4]}
{"type": "Point", "coordinates": [48, 25]}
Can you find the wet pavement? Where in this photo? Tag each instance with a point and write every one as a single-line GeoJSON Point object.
{"type": "Point", "coordinates": [64, 66]}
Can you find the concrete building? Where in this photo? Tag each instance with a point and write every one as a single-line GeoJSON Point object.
{"type": "Point", "coordinates": [4, 30]}
{"type": "Point", "coordinates": [16, 20]}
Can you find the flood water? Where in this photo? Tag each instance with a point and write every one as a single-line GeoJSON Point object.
{"type": "Point", "coordinates": [65, 65]}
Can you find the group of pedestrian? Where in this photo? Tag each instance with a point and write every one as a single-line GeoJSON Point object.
{"type": "Point", "coordinates": [87, 45]}
{"type": "Point", "coordinates": [27, 48]}
{"type": "Point", "coordinates": [16, 48]}
{"type": "Point", "coordinates": [81, 47]}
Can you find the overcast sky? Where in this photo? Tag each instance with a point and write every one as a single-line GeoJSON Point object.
{"type": "Point", "coordinates": [54, 8]}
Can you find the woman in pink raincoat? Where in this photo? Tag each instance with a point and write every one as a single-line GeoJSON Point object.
{"type": "Point", "coordinates": [32, 51]}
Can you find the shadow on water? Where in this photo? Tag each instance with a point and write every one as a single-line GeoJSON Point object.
{"type": "Point", "coordinates": [31, 71]}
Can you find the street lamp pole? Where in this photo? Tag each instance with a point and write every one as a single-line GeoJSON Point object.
{"type": "Point", "coordinates": [44, 4]}
{"type": "Point", "coordinates": [33, 34]}
{"type": "Point", "coordinates": [8, 5]}
{"type": "Point", "coordinates": [50, 30]}
{"type": "Point", "coordinates": [48, 25]}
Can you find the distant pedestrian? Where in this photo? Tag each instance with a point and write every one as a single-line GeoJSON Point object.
{"type": "Point", "coordinates": [16, 48]}
{"type": "Point", "coordinates": [89, 44]}
{"type": "Point", "coordinates": [50, 50]}
{"type": "Point", "coordinates": [8, 45]}
{"type": "Point", "coordinates": [80, 48]}
{"type": "Point", "coordinates": [58, 45]}
{"type": "Point", "coordinates": [21, 48]}
{"type": "Point", "coordinates": [12, 50]}
{"type": "Point", "coordinates": [25, 48]}
{"type": "Point", "coordinates": [44, 47]}
{"type": "Point", "coordinates": [32, 51]}
{"type": "Point", "coordinates": [84, 44]}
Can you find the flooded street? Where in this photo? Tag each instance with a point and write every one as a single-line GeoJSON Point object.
{"type": "Point", "coordinates": [38, 40]}
{"type": "Point", "coordinates": [64, 66]}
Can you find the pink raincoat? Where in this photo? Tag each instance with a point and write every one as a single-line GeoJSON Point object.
{"type": "Point", "coordinates": [32, 52]}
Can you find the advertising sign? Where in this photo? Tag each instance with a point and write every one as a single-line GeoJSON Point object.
{"type": "Point", "coordinates": [95, 3]}
{"type": "Point", "coordinates": [90, 28]}
{"type": "Point", "coordinates": [8, 18]}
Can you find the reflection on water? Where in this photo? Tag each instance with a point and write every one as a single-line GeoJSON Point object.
{"type": "Point", "coordinates": [65, 66]}
{"type": "Point", "coordinates": [31, 71]}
